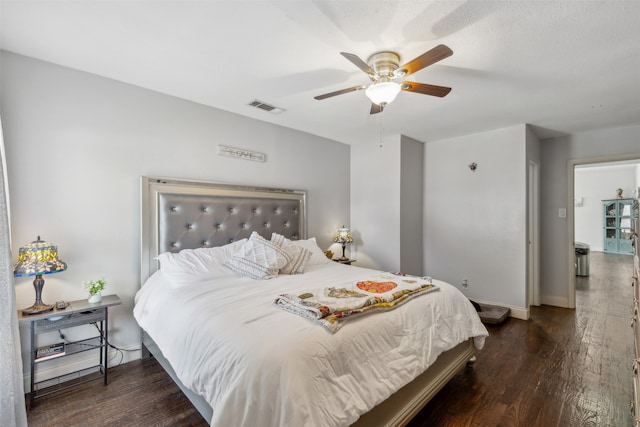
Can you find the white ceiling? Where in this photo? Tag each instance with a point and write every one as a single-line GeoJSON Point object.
{"type": "Point", "coordinates": [563, 66]}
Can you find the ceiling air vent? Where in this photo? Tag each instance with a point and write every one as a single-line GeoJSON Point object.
{"type": "Point", "coordinates": [266, 107]}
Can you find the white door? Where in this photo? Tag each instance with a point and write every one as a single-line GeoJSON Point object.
{"type": "Point", "coordinates": [533, 233]}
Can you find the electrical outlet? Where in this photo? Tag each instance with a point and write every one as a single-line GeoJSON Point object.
{"type": "Point", "coordinates": [465, 283]}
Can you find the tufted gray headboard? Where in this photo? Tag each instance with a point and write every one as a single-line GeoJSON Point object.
{"type": "Point", "coordinates": [181, 214]}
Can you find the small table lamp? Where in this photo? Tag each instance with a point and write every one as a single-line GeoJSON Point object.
{"type": "Point", "coordinates": [36, 259]}
{"type": "Point", "coordinates": [343, 235]}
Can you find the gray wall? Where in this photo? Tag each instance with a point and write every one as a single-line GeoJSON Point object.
{"type": "Point", "coordinates": [77, 144]}
{"type": "Point", "coordinates": [411, 206]}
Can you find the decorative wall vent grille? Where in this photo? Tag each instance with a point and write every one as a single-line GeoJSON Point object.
{"type": "Point", "coordinates": [266, 107]}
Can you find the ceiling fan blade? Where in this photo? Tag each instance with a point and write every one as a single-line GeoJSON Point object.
{"type": "Point", "coordinates": [425, 89]}
{"type": "Point", "coordinates": [355, 60]}
{"type": "Point", "coordinates": [376, 108]}
{"type": "Point", "coordinates": [339, 92]}
{"type": "Point", "coordinates": [430, 57]}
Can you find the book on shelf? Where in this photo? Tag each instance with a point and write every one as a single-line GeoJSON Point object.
{"type": "Point", "coordinates": [49, 351]}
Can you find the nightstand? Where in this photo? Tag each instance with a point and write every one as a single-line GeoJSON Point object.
{"type": "Point", "coordinates": [344, 261]}
{"type": "Point", "coordinates": [78, 313]}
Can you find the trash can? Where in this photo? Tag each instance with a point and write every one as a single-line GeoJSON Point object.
{"type": "Point", "coordinates": [582, 259]}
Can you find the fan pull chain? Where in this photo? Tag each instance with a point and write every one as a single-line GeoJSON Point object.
{"type": "Point", "coordinates": [380, 130]}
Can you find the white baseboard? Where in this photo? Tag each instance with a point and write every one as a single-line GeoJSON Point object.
{"type": "Point", "coordinates": [519, 313]}
{"type": "Point", "coordinates": [555, 301]}
{"type": "Point", "coordinates": [62, 366]}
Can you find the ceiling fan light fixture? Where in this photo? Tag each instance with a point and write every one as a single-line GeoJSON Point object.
{"type": "Point", "coordinates": [383, 93]}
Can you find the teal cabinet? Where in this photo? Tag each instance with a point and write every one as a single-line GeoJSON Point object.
{"type": "Point", "coordinates": [618, 215]}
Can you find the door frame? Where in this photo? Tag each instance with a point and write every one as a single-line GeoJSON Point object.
{"type": "Point", "coordinates": [571, 165]}
{"type": "Point", "coordinates": [533, 235]}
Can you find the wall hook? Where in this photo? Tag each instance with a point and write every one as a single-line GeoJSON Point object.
{"type": "Point", "coordinates": [473, 166]}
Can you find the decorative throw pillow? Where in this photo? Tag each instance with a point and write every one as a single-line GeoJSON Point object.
{"type": "Point", "coordinates": [258, 258]}
{"type": "Point", "coordinates": [299, 255]}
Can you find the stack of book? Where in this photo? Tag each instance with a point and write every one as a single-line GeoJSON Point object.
{"type": "Point", "coordinates": [49, 351]}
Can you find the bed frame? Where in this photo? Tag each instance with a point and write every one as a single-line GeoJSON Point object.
{"type": "Point", "coordinates": [181, 214]}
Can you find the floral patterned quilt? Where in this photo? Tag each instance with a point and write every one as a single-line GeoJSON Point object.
{"type": "Point", "coordinates": [330, 307]}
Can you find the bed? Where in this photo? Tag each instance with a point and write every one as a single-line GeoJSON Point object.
{"type": "Point", "coordinates": [244, 361]}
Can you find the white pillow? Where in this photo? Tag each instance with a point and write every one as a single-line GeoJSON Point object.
{"type": "Point", "coordinates": [194, 265]}
{"type": "Point", "coordinates": [223, 253]}
{"type": "Point", "coordinates": [258, 258]}
{"type": "Point", "coordinates": [299, 255]}
{"type": "Point", "coordinates": [317, 254]}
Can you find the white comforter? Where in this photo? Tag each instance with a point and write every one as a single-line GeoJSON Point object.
{"type": "Point", "coordinates": [258, 365]}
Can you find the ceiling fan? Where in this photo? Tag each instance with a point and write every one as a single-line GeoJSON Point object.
{"type": "Point", "coordinates": [383, 68]}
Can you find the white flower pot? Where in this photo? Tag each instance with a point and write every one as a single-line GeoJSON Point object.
{"type": "Point", "coordinates": [97, 297]}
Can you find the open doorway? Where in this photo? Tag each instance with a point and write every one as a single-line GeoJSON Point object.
{"type": "Point", "coordinates": [603, 192]}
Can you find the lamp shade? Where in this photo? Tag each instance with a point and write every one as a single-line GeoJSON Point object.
{"type": "Point", "coordinates": [38, 258]}
{"type": "Point", "coordinates": [383, 93]}
{"type": "Point", "coordinates": [343, 235]}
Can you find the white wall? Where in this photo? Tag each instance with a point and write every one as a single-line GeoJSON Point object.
{"type": "Point", "coordinates": [386, 204]}
{"type": "Point", "coordinates": [77, 144]}
{"type": "Point", "coordinates": [592, 185]}
{"type": "Point", "coordinates": [475, 222]}
{"type": "Point", "coordinates": [375, 201]}
{"type": "Point", "coordinates": [558, 158]}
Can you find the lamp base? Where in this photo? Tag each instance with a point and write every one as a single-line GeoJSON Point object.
{"type": "Point", "coordinates": [343, 257]}
{"type": "Point", "coordinates": [38, 306]}
{"type": "Point", "coordinates": [37, 309]}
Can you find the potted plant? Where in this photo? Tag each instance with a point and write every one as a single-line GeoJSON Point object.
{"type": "Point", "coordinates": [95, 288]}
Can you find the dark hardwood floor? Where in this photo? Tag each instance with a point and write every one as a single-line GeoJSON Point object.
{"type": "Point", "coordinates": [560, 368]}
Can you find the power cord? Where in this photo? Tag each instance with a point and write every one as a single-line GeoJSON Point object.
{"type": "Point", "coordinates": [119, 351]}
